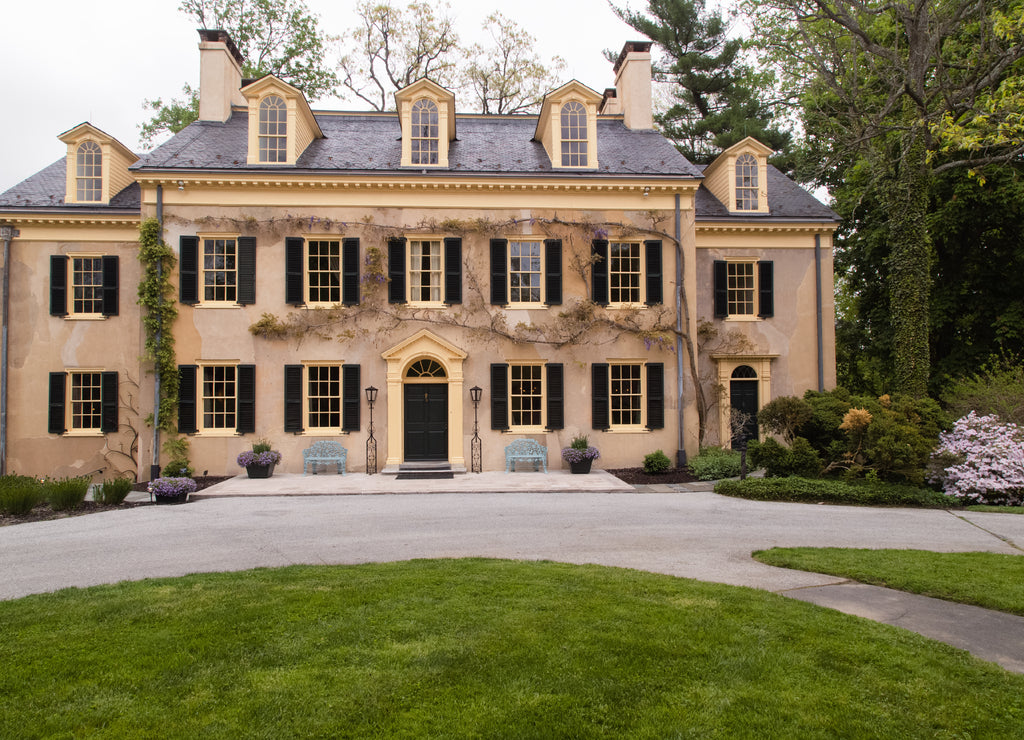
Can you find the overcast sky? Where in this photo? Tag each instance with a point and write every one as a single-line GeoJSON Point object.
{"type": "Point", "coordinates": [65, 62]}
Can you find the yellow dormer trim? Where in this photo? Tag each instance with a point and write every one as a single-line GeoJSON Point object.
{"type": "Point", "coordinates": [115, 159]}
{"type": "Point", "coordinates": [549, 128]}
{"type": "Point", "coordinates": [720, 175]}
{"type": "Point", "coordinates": [409, 96]}
{"type": "Point", "coordinates": [300, 123]}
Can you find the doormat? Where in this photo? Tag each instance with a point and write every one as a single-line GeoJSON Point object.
{"type": "Point", "coordinates": [437, 475]}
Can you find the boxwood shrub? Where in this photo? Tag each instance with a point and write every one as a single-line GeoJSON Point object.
{"type": "Point", "coordinates": [714, 463]}
{"type": "Point", "coordinates": [865, 493]}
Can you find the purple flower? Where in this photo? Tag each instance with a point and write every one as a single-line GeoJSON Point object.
{"type": "Point", "coordinates": [270, 457]}
{"type": "Point", "coordinates": [171, 486]}
{"type": "Point", "coordinates": [574, 455]}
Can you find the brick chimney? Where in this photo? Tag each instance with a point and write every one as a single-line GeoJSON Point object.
{"type": "Point", "coordinates": [220, 75]}
{"type": "Point", "coordinates": [633, 84]}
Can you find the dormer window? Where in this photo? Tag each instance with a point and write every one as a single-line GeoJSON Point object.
{"type": "Point", "coordinates": [746, 183]}
{"type": "Point", "coordinates": [273, 129]}
{"type": "Point", "coordinates": [425, 132]}
{"type": "Point", "coordinates": [574, 134]}
{"type": "Point", "coordinates": [89, 172]}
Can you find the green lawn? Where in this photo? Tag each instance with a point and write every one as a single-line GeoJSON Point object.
{"type": "Point", "coordinates": [984, 579]}
{"type": "Point", "coordinates": [996, 509]}
{"type": "Point", "coordinates": [476, 648]}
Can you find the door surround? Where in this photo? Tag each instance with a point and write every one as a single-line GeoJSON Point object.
{"type": "Point", "coordinates": [762, 365]}
{"type": "Point", "coordinates": [424, 344]}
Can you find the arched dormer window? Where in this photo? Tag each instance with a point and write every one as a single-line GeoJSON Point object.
{"type": "Point", "coordinates": [574, 134]}
{"type": "Point", "coordinates": [425, 132]}
{"type": "Point", "coordinates": [746, 183]}
{"type": "Point", "coordinates": [89, 172]}
{"type": "Point", "coordinates": [273, 129]}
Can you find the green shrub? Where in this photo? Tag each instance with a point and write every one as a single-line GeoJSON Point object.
{"type": "Point", "coordinates": [714, 463]}
{"type": "Point", "coordinates": [785, 415]}
{"type": "Point", "coordinates": [65, 493]}
{"type": "Point", "coordinates": [865, 493]}
{"type": "Point", "coordinates": [780, 461]}
{"type": "Point", "coordinates": [114, 491]}
{"type": "Point", "coordinates": [177, 469]}
{"type": "Point", "coordinates": [998, 388]}
{"type": "Point", "coordinates": [580, 442]}
{"type": "Point", "coordinates": [656, 463]}
{"type": "Point", "coordinates": [19, 494]}
{"type": "Point", "coordinates": [261, 445]}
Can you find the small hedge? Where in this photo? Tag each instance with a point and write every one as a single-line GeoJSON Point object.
{"type": "Point", "coordinates": [714, 463]}
{"type": "Point", "coordinates": [114, 491]}
{"type": "Point", "coordinates": [804, 490]}
{"type": "Point", "coordinates": [66, 493]}
{"type": "Point", "coordinates": [19, 494]}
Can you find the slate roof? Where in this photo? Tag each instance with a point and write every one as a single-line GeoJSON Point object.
{"type": "Point", "coordinates": [46, 189]}
{"type": "Point", "coordinates": [786, 200]}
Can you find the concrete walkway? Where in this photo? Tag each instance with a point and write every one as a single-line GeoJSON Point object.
{"type": "Point", "coordinates": [683, 532]}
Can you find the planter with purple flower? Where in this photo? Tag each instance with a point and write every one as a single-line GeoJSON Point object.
{"type": "Point", "coordinates": [259, 462]}
{"type": "Point", "coordinates": [171, 490]}
{"type": "Point", "coordinates": [580, 455]}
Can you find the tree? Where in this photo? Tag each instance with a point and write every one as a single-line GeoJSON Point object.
{"type": "Point", "coordinates": [279, 37]}
{"type": "Point", "coordinates": [874, 78]}
{"type": "Point", "coordinates": [716, 94]}
{"type": "Point", "coordinates": [508, 77]}
{"type": "Point", "coordinates": [396, 47]}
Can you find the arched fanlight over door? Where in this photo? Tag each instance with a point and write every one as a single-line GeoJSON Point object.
{"type": "Point", "coordinates": [426, 369]}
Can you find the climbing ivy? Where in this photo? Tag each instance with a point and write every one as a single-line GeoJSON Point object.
{"type": "Point", "coordinates": [156, 298]}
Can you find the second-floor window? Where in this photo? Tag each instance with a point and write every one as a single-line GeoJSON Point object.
{"type": "Point", "coordinates": [524, 272]}
{"type": "Point", "coordinates": [273, 133]}
{"type": "Point", "coordinates": [744, 289]}
{"type": "Point", "coordinates": [624, 272]}
{"type": "Point", "coordinates": [574, 134]}
{"type": "Point", "coordinates": [83, 285]}
{"type": "Point", "coordinates": [220, 271]}
{"type": "Point", "coordinates": [425, 271]}
{"type": "Point", "coordinates": [425, 132]}
{"type": "Point", "coordinates": [89, 172]}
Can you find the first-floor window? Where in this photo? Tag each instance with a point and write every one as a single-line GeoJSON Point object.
{"type": "Point", "coordinates": [83, 401]}
{"type": "Point", "coordinates": [86, 400]}
{"type": "Point", "coordinates": [626, 395]}
{"type": "Point", "coordinates": [323, 396]}
{"type": "Point", "coordinates": [526, 395]}
{"type": "Point", "coordinates": [219, 397]}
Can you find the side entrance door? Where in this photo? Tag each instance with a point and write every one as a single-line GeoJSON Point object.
{"type": "Point", "coordinates": [426, 421]}
{"type": "Point", "coordinates": [743, 399]}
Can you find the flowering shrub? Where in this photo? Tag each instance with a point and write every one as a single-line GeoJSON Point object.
{"type": "Point", "coordinates": [171, 486]}
{"type": "Point", "coordinates": [981, 461]}
{"type": "Point", "coordinates": [267, 457]}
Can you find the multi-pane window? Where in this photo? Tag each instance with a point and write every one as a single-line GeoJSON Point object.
{"type": "Point", "coordinates": [220, 271]}
{"type": "Point", "coordinates": [526, 395]}
{"type": "Point", "coordinates": [626, 395]}
{"type": "Point", "coordinates": [425, 271]}
{"type": "Point", "coordinates": [624, 272]}
{"type": "Point", "coordinates": [323, 396]}
{"type": "Point", "coordinates": [323, 269]}
{"type": "Point", "coordinates": [741, 288]}
{"type": "Point", "coordinates": [524, 272]}
{"type": "Point", "coordinates": [425, 132]}
{"type": "Point", "coordinates": [219, 396]}
{"type": "Point", "coordinates": [87, 285]}
{"type": "Point", "coordinates": [89, 174]}
{"type": "Point", "coordinates": [746, 183]}
{"type": "Point", "coordinates": [574, 134]}
{"type": "Point", "coordinates": [273, 135]}
{"type": "Point", "coordinates": [86, 400]}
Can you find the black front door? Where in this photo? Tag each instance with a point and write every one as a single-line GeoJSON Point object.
{"type": "Point", "coordinates": [743, 399]}
{"type": "Point", "coordinates": [426, 421]}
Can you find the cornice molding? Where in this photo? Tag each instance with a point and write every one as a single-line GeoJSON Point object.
{"type": "Point", "coordinates": [800, 227]}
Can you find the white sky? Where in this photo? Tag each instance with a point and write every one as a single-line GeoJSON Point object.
{"type": "Point", "coordinates": [63, 62]}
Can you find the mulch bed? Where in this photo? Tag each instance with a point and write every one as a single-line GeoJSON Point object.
{"type": "Point", "coordinates": [638, 476]}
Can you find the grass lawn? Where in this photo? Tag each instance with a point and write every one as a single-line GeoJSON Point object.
{"type": "Point", "coordinates": [996, 509]}
{"type": "Point", "coordinates": [476, 648]}
{"type": "Point", "coordinates": [981, 578]}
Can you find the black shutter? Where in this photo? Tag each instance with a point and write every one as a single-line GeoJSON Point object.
{"type": "Point", "coordinates": [396, 270]}
{"type": "Point", "coordinates": [499, 396]}
{"type": "Point", "coordinates": [58, 382]}
{"type": "Point", "coordinates": [556, 395]}
{"type": "Point", "coordinates": [721, 289]}
{"type": "Point", "coordinates": [293, 274]}
{"type": "Point", "coordinates": [453, 270]}
{"type": "Point", "coordinates": [553, 272]}
{"type": "Point", "coordinates": [350, 392]}
{"type": "Point", "coordinates": [187, 398]}
{"type": "Point", "coordinates": [765, 289]}
{"type": "Point", "coordinates": [655, 395]}
{"type": "Point", "coordinates": [293, 398]}
{"type": "Point", "coordinates": [58, 285]}
{"type": "Point", "coordinates": [350, 271]}
{"type": "Point", "coordinates": [599, 272]}
{"type": "Point", "coordinates": [110, 280]}
{"type": "Point", "coordinates": [188, 270]}
{"type": "Point", "coordinates": [245, 421]}
{"type": "Point", "coordinates": [654, 272]}
{"type": "Point", "coordinates": [108, 402]}
{"type": "Point", "coordinates": [599, 395]}
{"type": "Point", "coordinates": [246, 270]}
{"type": "Point", "coordinates": [499, 272]}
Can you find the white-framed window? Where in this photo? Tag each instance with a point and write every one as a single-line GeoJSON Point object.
{"type": "Point", "coordinates": [85, 409]}
{"type": "Point", "coordinates": [219, 395]}
{"type": "Point", "coordinates": [526, 396]}
{"type": "Point", "coordinates": [525, 271]}
{"type": "Point", "coordinates": [89, 172]}
{"type": "Point", "coordinates": [426, 271]}
{"type": "Point", "coordinates": [625, 272]}
{"type": "Point", "coordinates": [273, 129]}
{"type": "Point", "coordinates": [323, 397]}
{"type": "Point", "coordinates": [626, 394]}
{"type": "Point", "coordinates": [219, 268]}
{"type": "Point", "coordinates": [746, 183]}
{"type": "Point", "coordinates": [742, 285]}
{"type": "Point", "coordinates": [573, 123]}
{"type": "Point", "coordinates": [323, 270]}
{"type": "Point", "coordinates": [426, 135]}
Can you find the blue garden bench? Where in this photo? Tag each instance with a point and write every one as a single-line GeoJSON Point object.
{"type": "Point", "coordinates": [322, 452]}
{"type": "Point", "coordinates": [529, 450]}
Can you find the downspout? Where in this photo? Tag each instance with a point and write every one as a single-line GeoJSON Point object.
{"type": "Point", "coordinates": [821, 333]}
{"type": "Point", "coordinates": [8, 232]}
{"type": "Point", "coordinates": [154, 468]}
{"type": "Point", "coordinates": [681, 448]}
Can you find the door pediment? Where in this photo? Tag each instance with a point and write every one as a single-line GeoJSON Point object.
{"type": "Point", "coordinates": [424, 343]}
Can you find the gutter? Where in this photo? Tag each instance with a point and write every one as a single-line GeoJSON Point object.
{"type": "Point", "coordinates": [8, 232]}
{"type": "Point", "coordinates": [154, 467]}
{"type": "Point", "coordinates": [818, 304]}
{"type": "Point", "coordinates": [680, 441]}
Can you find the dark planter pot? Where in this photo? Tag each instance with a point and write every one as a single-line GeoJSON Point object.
{"type": "Point", "coordinates": [582, 467]}
{"type": "Point", "coordinates": [179, 499]}
{"type": "Point", "coordinates": [260, 471]}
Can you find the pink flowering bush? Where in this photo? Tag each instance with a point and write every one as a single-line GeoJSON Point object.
{"type": "Point", "coordinates": [980, 461]}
